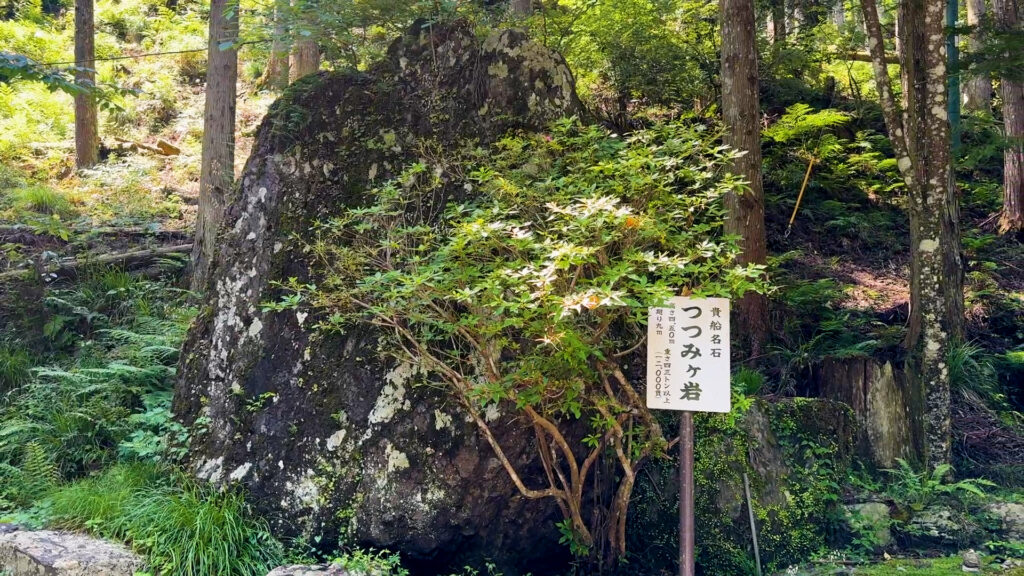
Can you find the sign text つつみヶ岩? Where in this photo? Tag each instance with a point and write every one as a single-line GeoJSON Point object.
{"type": "Point", "coordinates": [688, 355]}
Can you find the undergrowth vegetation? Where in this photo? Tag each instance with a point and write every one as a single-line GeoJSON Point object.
{"type": "Point", "coordinates": [88, 441]}
{"type": "Point", "coordinates": [182, 528]}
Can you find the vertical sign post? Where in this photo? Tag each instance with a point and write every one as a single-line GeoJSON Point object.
{"type": "Point", "coordinates": [688, 370]}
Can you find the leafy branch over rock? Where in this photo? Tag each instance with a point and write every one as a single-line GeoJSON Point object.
{"type": "Point", "coordinates": [530, 290]}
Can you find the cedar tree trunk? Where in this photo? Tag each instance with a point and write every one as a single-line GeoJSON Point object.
{"type": "Point", "coordinates": [87, 135]}
{"type": "Point", "coordinates": [919, 130]}
{"type": "Point", "coordinates": [218, 157]}
{"type": "Point", "coordinates": [977, 89]}
{"type": "Point", "coordinates": [1012, 91]}
{"type": "Point", "coordinates": [741, 112]}
{"type": "Point", "coordinates": [277, 67]}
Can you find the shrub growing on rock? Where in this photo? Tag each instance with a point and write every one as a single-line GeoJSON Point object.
{"type": "Point", "coordinates": [529, 290]}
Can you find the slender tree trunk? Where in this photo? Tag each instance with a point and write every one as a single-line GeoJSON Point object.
{"type": "Point", "coordinates": [920, 133]}
{"type": "Point", "coordinates": [217, 173]}
{"type": "Point", "coordinates": [305, 59]}
{"type": "Point", "coordinates": [839, 13]}
{"type": "Point", "coordinates": [778, 22]}
{"type": "Point", "coordinates": [741, 112]}
{"type": "Point", "coordinates": [1012, 91]}
{"type": "Point", "coordinates": [978, 88]}
{"type": "Point", "coordinates": [522, 6]}
{"type": "Point", "coordinates": [277, 67]}
{"type": "Point", "coordinates": [87, 134]}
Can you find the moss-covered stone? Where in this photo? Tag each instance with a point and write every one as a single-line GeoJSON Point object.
{"type": "Point", "coordinates": [331, 440]}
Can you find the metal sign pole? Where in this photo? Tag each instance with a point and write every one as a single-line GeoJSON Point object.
{"type": "Point", "coordinates": [686, 523]}
{"type": "Point", "coordinates": [688, 371]}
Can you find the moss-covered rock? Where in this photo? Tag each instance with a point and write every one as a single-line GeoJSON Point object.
{"type": "Point", "coordinates": [333, 441]}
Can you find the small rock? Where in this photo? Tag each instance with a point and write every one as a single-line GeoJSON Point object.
{"type": "Point", "coordinates": [972, 563]}
{"type": "Point", "coordinates": [8, 528]}
{"type": "Point", "coordinates": [871, 517]}
{"type": "Point", "coordinates": [1011, 519]}
{"type": "Point", "coordinates": [166, 148]}
{"type": "Point", "coordinates": [46, 553]}
{"type": "Point", "coordinates": [937, 525]}
{"type": "Point", "coordinates": [311, 570]}
{"type": "Point", "coordinates": [1011, 563]}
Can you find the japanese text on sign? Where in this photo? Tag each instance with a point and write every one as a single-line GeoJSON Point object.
{"type": "Point", "coordinates": [688, 355]}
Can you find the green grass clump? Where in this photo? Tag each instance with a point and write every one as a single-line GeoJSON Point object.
{"type": "Point", "coordinates": [10, 177]}
{"type": "Point", "coordinates": [182, 528]}
{"type": "Point", "coordinates": [43, 200]}
{"type": "Point", "coordinates": [970, 367]}
{"type": "Point", "coordinates": [15, 366]}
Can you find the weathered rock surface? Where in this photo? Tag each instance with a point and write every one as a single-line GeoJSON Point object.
{"type": "Point", "coordinates": [328, 438]}
{"type": "Point", "coordinates": [881, 399]}
{"type": "Point", "coordinates": [870, 518]}
{"type": "Point", "coordinates": [46, 553]}
{"type": "Point", "coordinates": [938, 525]}
{"type": "Point", "coordinates": [1011, 519]}
{"type": "Point", "coordinates": [971, 563]}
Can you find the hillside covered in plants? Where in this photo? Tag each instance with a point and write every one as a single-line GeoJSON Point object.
{"type": "Point", "coordinates": [363, 286]}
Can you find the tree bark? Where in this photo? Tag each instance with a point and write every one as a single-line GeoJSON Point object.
{"type": "Point", "coordinates": [978, 88]}
{"type": "Point", "coordinates": [277, 67]}
{"type": "Point", "coordinates": [305, 59]}
{"type": "Point", "coordinates": [920, 133]}
{"type": "Point", "coordinates": [741, 112]}
{"type": "Point", "coordinates": [839, 13]}
{"type": "Point", "coordinates": [87, 135]}
{"type": "Point", "coordinates": [778, 22]}
{"type": "Point", "coordinates": [217, 173]}
{"type": "Point", "coordinates": [522, 7]}
{"type": "Point", "coordinates": [1012, 91]}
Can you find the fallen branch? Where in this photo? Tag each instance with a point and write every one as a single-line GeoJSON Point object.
{"type": "Point", "coordinates": [128, 260]}
{"type": "Point", "coordinates": [865, 57]}
{"type": "Point", "coordinates": [162, 147]}
{"type": "Point", "coordinates": [21, 229]}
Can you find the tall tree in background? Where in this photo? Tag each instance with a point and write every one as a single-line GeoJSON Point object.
{"type": "Point", "coordinates": [1011, 88]}
{"type": "Point", "coordinates": [778, 22]}
{"type": "Point", "coordinates": [218, 156]}
{"type": "Point", "coordinates": [919, 130]}
{"type": "Point", "coordinates": [839, 13]}
{"type": "Point", "coordinates": [977, 88]}
{"type": "Point", "coordinates": [741, 112]}
{"type": "Point", "coordinates": [87, 134]}
{"type": "Point", "coordinates": [522, 6]}
{"type": "Point", "coordinates": [277, 67]}
{"type": "Point", "coordinates": [305, 56]}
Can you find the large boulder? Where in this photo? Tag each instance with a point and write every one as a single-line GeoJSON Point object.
{"type": "Point", "coordinates": [331, 440]}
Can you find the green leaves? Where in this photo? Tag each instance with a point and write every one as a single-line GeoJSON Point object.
{"type": "Point", "coordinates": [562, 236]}
{"type": "Point", "coordinates": [801, 122]}
{"type": "Point", "coordinates": [918, 490]}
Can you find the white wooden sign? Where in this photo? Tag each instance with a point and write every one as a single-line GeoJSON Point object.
{"type": "Point", "coordinates": [688, 355]}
